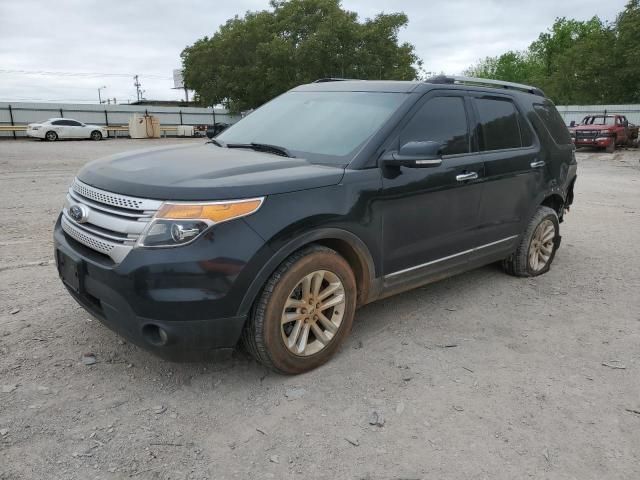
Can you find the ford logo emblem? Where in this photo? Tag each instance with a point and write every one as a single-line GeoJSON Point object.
{"type": "Point", "coordinates": [79, 213]}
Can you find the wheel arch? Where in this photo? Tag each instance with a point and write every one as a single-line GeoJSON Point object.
{"type": "Point", "coordinates": [555, 202]}
{"type": "Point", "coordinates": [347, 244]}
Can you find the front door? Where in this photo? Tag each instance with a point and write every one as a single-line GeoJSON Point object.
{"type": "Point", "coordinates": [430, 215]}
{"type": "Point", "coordinates": [76, 129]}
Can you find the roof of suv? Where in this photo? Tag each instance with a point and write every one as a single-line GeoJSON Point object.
{"type": "Point", "coordinates": [395, 86]}
{"type": "Point", "coordinates": [337, 85]}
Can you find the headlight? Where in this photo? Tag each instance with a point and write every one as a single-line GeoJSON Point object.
{"type": "Point", "coordinates": [178, 223]}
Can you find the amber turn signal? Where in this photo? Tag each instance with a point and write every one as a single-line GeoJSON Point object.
{"type": "Point", "coordinates": [216, 212]}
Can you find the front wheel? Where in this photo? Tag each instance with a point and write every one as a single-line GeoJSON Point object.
{"type": "Point", "coordinates": [51, 136]}
{"type": "Point", "coordinates": [304, 312]}
{"type": "Point", "coordinates": [611, 147]}
{"type": "Point", "coordinates": [538, 246]}
{"type": "Point", "coordinates": [96, 135]}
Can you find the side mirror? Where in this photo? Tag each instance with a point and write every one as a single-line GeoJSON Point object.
{"type": "Point", "coordinates": [415, 155]}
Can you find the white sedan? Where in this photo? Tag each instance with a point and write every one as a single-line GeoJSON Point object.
{"type": "Point", "coordinates": [56, 128]}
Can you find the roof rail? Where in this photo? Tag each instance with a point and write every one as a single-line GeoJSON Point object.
{"type": "Point", "coordinates": [487, 82]}
{"type": "Point", "coordinates": [334, 79]}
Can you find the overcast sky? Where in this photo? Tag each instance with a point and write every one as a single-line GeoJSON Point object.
{"type": "Point", "coordinates": [125, 37]}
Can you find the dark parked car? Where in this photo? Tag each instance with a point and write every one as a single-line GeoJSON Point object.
{"type": "Point", "coordinates": [331, 196]}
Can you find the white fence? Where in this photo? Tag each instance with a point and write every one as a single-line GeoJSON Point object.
{"type": "Point", "coordinates": [577, 112]}
{"type": "Point", "coordinates": [21, 113]}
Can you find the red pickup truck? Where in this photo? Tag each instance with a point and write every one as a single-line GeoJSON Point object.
{"type": "Point", "coordinates": [604, 131]}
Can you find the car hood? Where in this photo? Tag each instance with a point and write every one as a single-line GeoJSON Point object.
{"type": "Point", "coordinates": [205, 172]}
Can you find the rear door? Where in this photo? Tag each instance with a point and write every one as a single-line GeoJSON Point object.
{"type": "Point", "coordinates": [621, 130]}
{"type": "Point", "coordinates": [59, 126]}
{"type": "Point", "coordinates": [430, 215]}
{"type": "Point", "coordinates": [513, 171]}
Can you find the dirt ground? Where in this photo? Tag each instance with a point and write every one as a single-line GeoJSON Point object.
{"type": "Point", "coordinates": [482, 376]}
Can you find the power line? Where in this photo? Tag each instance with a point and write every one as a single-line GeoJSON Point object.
{"type": "Point", "coordinates": [78, 74]}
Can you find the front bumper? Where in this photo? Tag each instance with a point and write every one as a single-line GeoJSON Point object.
{"type": "Point", "coordinates": [180, 303]}
{"type": "Point", "coordinates": [599, 142]}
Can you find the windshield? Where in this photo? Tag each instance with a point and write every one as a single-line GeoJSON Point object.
{"type": "Point", "coordinates": [323, 127]}
{"type": "Point", "coordinates": [600, 120]}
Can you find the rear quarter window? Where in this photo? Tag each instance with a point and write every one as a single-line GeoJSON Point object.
{"type": "Point", "coordinates": [553, 122]}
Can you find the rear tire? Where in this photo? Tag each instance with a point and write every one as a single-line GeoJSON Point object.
{"type": "Point", "coordinates": [291, 331]}
{"type": "Point", "coordinates": [538, 246]}
{"type": "Point", "coordinates": [96, 135]}
{"type": "Point", "coordinates": [51, 136]}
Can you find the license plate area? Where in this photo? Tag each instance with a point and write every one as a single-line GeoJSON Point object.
{"type": "Point", "coordinates": [70, 271]}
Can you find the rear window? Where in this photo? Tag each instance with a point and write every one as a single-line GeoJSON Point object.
{"type": "Point", "coordinates": [499, 128]}
{"type": "Point", "coordinates": [553, 122]}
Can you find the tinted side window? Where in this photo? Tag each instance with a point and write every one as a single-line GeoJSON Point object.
{"type": "Point", "coordinates": [58, 122]}
{"type": "Point", "coordinates": [525, 132]}
{"type": "Point", "coordinates": [499, 127]}
{"type": "Point", "coordinates": [443, 120]}
{"type": "Point", "coordinates": [553, 122]}
{"type": "Point", "coordinates": [73, 123]}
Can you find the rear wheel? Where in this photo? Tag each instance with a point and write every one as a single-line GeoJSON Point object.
{"type": "Point", "coordinates": [538, 246]}
{"type": "Point", "coordinates": [96, 135]}
{"type": "Point", "coordinates": [51, 136]}
{"type": "Point", "coordinates": [304, 312]}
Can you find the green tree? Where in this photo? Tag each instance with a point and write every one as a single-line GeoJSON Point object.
{"type": "Point", "coordinates": [250, 60]}
{"type": "Point", "coordinates": [628, 52]}
{"type": "Point", "coordinates": [579, 62]}
{"type": "Point", "coordinates": [510, 66]}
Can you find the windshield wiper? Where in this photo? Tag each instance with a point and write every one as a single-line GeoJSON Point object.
{"type": "Point", "coordinates": [216, 142]}
{"type": "Point", "coordinates": [263, 147]}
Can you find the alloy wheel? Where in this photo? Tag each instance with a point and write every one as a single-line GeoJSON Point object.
{"type": "Point", "coordinates": [541, 246]}
{"type": "Point", "coordinates": [313, 313]}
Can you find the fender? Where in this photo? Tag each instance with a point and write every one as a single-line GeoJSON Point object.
{"type": "Point", "coordinates": [297, 243]}
{"type": "Point", "coordinates": [558, 190]}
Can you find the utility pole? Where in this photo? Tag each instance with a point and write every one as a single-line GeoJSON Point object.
{"type": "Point", "coordinates": [137, 84]}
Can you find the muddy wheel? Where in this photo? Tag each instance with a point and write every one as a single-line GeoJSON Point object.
{"type": "Point", "coordinates": [304, 312]}
{"type": "Point", "coordinates": [538, 246]}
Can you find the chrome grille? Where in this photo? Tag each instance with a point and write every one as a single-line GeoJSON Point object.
{"type": "Point", "coordinates": [113, 222]}
{"type": "Point", "coordinates": [588, 134]}
{"type": "Point", "coordinates": [114, 199]}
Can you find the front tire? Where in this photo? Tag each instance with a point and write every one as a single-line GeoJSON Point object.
{"type": "Point", "coordinates": [538, 246]}
{"type": "Point", "coordinates": [51, 136]}
{"type": "Point", "coordinates": [304, 312]}
{"type": "Point", "coordinates": [96, 135]}
{"type": "Point", "coordinates": [611, 147]}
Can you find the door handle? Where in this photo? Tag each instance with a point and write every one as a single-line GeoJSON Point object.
{"type": "Point", "coordinates": [537, 164]}
{"type": "Point", "coordinates": [463, 177]}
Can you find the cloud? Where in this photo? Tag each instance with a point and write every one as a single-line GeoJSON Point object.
{"type": "Point", "coordinates": [146, 37]}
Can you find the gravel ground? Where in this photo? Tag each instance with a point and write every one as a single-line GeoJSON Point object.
{"type": "Point", "coordinates": [482, 376]}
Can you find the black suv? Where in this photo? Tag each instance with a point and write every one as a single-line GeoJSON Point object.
{"type": "Point", "coordinates": [331, 196]}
